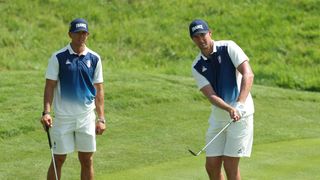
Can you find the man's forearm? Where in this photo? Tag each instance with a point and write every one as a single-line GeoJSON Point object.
{"type": "Point", "coordinates": [214, 98]}
{"type": "Point", "coordinates": [217, 101]}
{"type": "Point", "coordinates": [99, 101]}
{"type": "Point", "coordinates": [48, 95]}
{"type": "Point", "coordinates": [246, 84]}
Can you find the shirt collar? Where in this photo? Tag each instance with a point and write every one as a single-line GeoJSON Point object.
{"type": "Point", "coordinates": [72, 52]}
{"type": "Point", "coordinates": [214, 49]}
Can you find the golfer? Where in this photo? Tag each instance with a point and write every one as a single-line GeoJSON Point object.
{"type": "Point", "coordinates": [74, 83]}
{"type": "Point", "coordinates": [223, 74]}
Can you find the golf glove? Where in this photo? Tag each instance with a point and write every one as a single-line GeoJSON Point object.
{"type": "Point", "coordinates": [240, 109]}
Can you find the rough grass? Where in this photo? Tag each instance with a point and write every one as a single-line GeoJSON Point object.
{"type": "Point", "coordinates": [281, 38]}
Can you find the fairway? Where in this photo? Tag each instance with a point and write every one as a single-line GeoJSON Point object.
{"type": "Point", "coordinates": [277, 161]}
{"type": "Point", "coordinates": [149, 133]}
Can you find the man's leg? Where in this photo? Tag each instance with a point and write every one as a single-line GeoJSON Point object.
{"type": "Point", "coordinates": [59, 160]}
{"type": "Point", "coordinates": [231, 166]}
{"type": "Point", "coordinates": [86, 161]}
{"type": "Point", "coordinates": [213, 167]}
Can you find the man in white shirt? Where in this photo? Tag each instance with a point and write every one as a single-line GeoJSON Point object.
{"type": "Point", "coordinates": [74, 84]}
{"type": "Point", "coordinates": [223, 74]}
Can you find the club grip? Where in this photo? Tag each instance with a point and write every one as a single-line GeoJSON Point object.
{"type": "Point", "coordinates": [49, 138]}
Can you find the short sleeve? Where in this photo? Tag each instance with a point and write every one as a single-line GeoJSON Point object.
{"type": "Point", "coordinates": [236, 54]}
{"type": "Point", "coordinates": [200, 80]}
{"type": "Point", "coordinates": [53, 68]}
{"type": "Point", "coordinates": [98, 75]}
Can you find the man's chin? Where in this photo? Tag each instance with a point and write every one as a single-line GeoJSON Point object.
{"type": "Point", "coordinates": [203, 47]}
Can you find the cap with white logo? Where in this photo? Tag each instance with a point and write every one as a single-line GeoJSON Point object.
{"type": "Point", "coordinates": [79, 24]}
{"type": "Point", "coordinates": [198, 26]}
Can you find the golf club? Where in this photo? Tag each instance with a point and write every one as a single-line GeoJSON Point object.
{"type": "Point", "coordinates": [52, 156]}
{"type": "Point", "coordinates": [225, 127]}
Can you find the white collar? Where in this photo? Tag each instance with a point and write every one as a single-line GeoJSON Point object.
{"type": "Point", "coordinates": [72, 52]}
{"type": "Point", "coordinates": [214, 49]}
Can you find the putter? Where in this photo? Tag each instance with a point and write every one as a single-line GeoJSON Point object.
{"type": "Point", "coordinates": [52, 156]}
{"type": "Point", "coordinates": [225, 127]}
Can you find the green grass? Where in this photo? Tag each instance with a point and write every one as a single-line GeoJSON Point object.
{"type": "Point", "coordinates": [294, 159]}
{"type": "Point", "coordinates": [282, 160]}
{"type": "Point", "coordinates": [154, 110]}
{"type": "Point", "coordinates": [153, 119]}
{"type": "Point", "coordinates": [281, 38]}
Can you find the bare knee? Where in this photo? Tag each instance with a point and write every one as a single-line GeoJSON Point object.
{"type": "Point", "coordinates": [213, 167]}
{"type": "Point", "coordinates": [231, 166]}
{"type": "Point", "coordinates": [60, 159]}
{"type": "Point", "coordinates": [85, 158]}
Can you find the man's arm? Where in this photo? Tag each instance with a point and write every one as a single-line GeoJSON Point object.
{"type": "Point", "coordinates": [99, 102]}
{"type": "Point", "coordinates": [217, 101]}
{"type": "Point", "coordinates": [46, 119]}
{"type": "Point", "coordinates": [246, 81]}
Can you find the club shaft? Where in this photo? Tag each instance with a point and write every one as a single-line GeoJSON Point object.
{"type": "Point", "coordinates": [54, 165]}
{"type": "Point", "coordinates": [52, 155]}
{"type": "Point", "coordinates": [225, 127]}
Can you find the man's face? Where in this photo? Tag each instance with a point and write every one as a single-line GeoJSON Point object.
{"type": "Point", "coordinates": [79, 38]}
{"type": "Point", "coordinates": [202, 40]}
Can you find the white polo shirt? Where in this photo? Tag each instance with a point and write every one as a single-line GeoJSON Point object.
{"type": "Point", "coordinates": [76, 75]}
{"type": "Point", "coordinates": [220, 71]}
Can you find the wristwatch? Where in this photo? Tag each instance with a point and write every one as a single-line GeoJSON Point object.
{"type": "Point", "coordinates": [45, 112]}
{"type": "Point", "coordinates": [102, 120]}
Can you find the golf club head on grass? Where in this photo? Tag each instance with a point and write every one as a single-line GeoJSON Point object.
{"type": "Point", "coordinates": [193, 153]}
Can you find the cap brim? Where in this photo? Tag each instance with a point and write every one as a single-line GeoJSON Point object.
{"type": "Point", "coordinates": [80, 29]}
{"type": "Point", "coordinates": [200, 32]}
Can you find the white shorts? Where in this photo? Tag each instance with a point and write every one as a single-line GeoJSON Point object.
{"type": "Point", "coordinates": [74, 134]}
{"type": "Point", "coordinates": [235, 141]}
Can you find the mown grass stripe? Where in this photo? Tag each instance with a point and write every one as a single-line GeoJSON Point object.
{"type": "Point", "coordinates": [294, 160]}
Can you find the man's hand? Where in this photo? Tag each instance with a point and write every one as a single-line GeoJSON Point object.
{"type": "Point", "coordinates": [234, 114]}
{"type": "Point", "coordinates": [46, 121]}
{"type": "Point", "coordinates": [237, 111]}
{"type": "Point", "coordinates": [100, 127]}
{"type": "Point", "coordinates": [240, 109]}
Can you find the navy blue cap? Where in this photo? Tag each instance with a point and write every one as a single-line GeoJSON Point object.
{"type": "Point", "coordinates": [198, 26]}
{"type": "Point", "coordinates": [79, 24]}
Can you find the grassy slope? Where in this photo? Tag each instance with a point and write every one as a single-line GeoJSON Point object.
{"type": "Point", "coordinates": [281, 38]}
{"type": "Point", "coordinates": [152, 122]}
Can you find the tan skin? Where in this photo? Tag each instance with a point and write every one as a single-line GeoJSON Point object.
{"type": "Point", "coordinates": [78, 41]}
{"type": "Point", "coordinates": [230, 164]}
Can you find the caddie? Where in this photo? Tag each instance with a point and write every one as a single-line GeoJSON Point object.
{"type": "Point", "coordinates": [74, 85]}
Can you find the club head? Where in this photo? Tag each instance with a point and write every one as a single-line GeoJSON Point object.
{"type": "Point", "coordinates": [192, 152]}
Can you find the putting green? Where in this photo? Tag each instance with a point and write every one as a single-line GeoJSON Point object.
{"type": "Point", "coordinates": [297, 159]}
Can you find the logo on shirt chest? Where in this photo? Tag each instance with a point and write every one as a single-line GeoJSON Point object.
{"type": "Point", "coordinates": [204, 68]}
{"type": "Point", "coordinates": [219, 59]}
{"type": "Point", "coordinates": [88, 63]}
{"type": "Point", "coordinates": [68, 61]}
